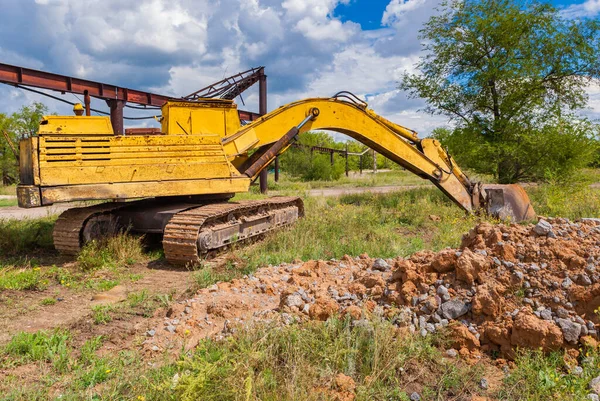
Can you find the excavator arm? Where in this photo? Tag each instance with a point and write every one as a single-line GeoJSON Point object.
{"type": "Point", "coordinates": [346, 114]}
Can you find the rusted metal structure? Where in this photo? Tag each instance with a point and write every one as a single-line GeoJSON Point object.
{"type": "Point", "coordinates": [117, 97]}
{"type": "Point", "coordinates": [230, 87]}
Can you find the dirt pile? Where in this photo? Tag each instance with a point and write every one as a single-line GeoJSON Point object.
{"type": "Point", "coordinates": [507, 286]}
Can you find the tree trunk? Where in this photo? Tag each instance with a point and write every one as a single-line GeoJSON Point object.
{"type": "Point", "coordinates": [506, 171]}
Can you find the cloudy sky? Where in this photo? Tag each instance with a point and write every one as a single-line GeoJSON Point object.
{"type": "Point", "coordinates": [309, 47]}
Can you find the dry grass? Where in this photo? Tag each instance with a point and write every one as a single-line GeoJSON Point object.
{"type": "Point", "coordinates": [116, 251]}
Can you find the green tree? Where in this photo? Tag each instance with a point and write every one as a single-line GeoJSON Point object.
{"type": "Point", "coordinates": [511, 74]}
{"type": "Point", "coordinates": [312, 166]}
{"type": "Point", "coordinates": [19, 125]}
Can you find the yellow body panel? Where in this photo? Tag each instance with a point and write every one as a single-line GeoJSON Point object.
{"type": "Point", "coordinates": [215, 117]}
{"type": "Point", "coordinates": [76, 125]}
{"type": "Point", "coordinates": [142, 189]}
{"type": "Point", "coordinates": [83, 160]}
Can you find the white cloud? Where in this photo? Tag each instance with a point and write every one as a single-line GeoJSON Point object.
{"type": "Point", "coordinates": [397, 10]}
{"type": "Point", "coordinates": [589, 8]}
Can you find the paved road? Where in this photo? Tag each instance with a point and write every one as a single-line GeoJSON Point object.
{"type": "Point", "coordinates": [338, 191]}
{"type": "Point", "coordinates": [15, 212]}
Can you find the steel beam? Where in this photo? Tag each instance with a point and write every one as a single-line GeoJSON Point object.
{"type": "Point", "coordinates": [116, 115]}
{"type": "Point", "coordinates": [262, 110]}
{"type": "Point", "coordinates": [14, 75]}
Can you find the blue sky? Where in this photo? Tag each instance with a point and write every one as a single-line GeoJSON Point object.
{"type": "Point", "coordinates": [311, 48]}
{"type": "Point", "coordinates": [368, 12]}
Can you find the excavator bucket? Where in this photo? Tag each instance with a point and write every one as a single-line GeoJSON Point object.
{"type": "Point", "coordinates": [507, 202]}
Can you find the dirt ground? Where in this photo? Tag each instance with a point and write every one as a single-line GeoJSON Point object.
{"type": "Point", "coordinates": [73, 309]}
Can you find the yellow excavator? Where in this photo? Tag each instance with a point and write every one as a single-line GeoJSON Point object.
{"type": "Point", "coordinates": [177, 181]}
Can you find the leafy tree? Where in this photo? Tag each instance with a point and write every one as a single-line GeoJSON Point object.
{"type": "Point", "coordinates": [312, 166]}
{"type": "Point", "coordinates": [511, 74]}
{"type": "Point", "coordinates": [19, 125]}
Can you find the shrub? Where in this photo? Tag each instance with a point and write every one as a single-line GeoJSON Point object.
{"type": "Point", "coordinates": [20, 236]}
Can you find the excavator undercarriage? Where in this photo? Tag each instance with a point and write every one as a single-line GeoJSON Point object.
{"type": "Point", "coordinates": [177, 183]}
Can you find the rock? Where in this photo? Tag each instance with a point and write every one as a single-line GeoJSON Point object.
{"type": "Point", "coordinates": [593, 397]}
{"type": "Point", "coordinates": [577, 371]}
{"type": "Point", "coordinates": [595, 385]}
{"type": "Point", "coordinates": [570, 330]}
{"type": "Point", "coordinates": [151, 333]}
{"type": "Point", "coordinates": [460, 337]}
{"type": "Point", "coordinates": [542, 227]}
{"type": "Point", "coordinates": [454, 309]}
{"type": "Point", "coordinates": [444, 261]}
{"type": "Point", "coordinates": [354, 311]}
{"type": "Point", "coordinates": [170, 328]}
{"type": "Point", "coordinates": [483, 383]}
{"type": "Point", "coordinates": [452, 353]}
{"type": "Point", "coordinates": [292, 300]}
{"type": "Point", "coordinates": [530, 332]}
{"type": "Point", "coordinates": [546, 314]}
{"type": "Point", "coordinates": [371, 281]}
{"type": "Point", "coordinates": [381, 265]}
{"type": "Point", "coordinates": [345, 383]}
{"type": "Point", "coordinates": [566, 283]}
{"type": "Point", "coordinates": [562, 313]}
{"type": "Point", "coordinates": [415, 397]}
{"type": "Point", "coordinates": [487, 301]}
{"type": "Point", "coordinates": [470, 266]}
{"type": "Point", "coordinates": [114, 295]}
{"type": "Point", "coordinates": [323, 308]}
{"type": "Point", "coordinates": [442, 290]}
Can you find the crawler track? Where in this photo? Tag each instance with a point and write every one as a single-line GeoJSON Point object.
{"type": "Point", "coordinates": [67, 229]}
{"type": "Point", "coordinates": [180, 241]}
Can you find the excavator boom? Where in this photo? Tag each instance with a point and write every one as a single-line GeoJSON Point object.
{"type": "Point", "coordinates": [203, 156]}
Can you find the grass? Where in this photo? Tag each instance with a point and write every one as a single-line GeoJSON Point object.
{"type": "Point", "coordinates": [382, 225]}
{"type": "Point", "coordinates": [258, 363]}
{"type": "Point", "coordinates": [8, 202]}
{"type": "Point", "coordinates": [271, 362]}
{"type": "Point", "coordinates": [43, 346]}
{"type": "Point", "coordinates": [29, 236]}
{"type": "Point", "coordinates": [300, 362]}
{"type": "Point", "coordinates": [101, 314]}
{"type": "Point", "coordinates": [47, 301]}
{"type": "Point", "coordinates": [8, 190]}
{"type": "Point", "coordinates": [22, 278]}
{"type": "Point", "coordinates": [540, 377]}
{"type": "Point", "coordinates": [141, 303]}
{"type": "Point", "coordinates": [116, 251]}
